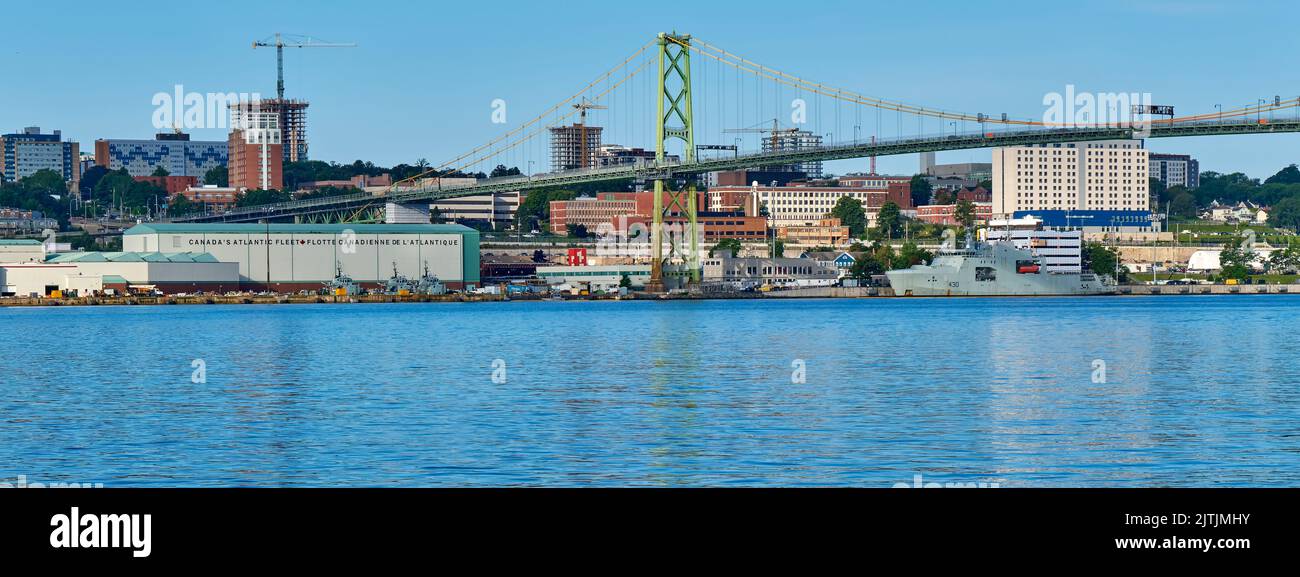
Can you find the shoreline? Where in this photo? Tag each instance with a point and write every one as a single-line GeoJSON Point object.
{"type": "Point", "coordinates": [805, 293]}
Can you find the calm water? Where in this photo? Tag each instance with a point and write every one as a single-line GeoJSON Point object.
{"type": "Point", "coordinates": [1198, 391]}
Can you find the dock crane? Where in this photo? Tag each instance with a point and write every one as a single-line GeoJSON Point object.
{"type": "Point", "coordinates": [583, 107]}
{"type": "Point", "coordinates": [295, 41]}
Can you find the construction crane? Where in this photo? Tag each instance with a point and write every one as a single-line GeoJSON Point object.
{"type": "Point", "coordinates": [776, 132]}
{"type": "Point", "coordinates": [295, 41]}
{"type": "Point", "coordinates": [583, 107]}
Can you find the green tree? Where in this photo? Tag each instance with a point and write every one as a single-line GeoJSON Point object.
{"type": "Point", "coordinates": [865, 266]}
{"type": "Point", "coordinates": [258, 197]}
{"type": "Point", "coordinates": [1285, 260]}
{"type": "Point", "coordinates": [727, 244]}
{"type": "Point", "coordinates": [851, 214]}
{"type": "Point", "coordinates": [1158, 190]}
{"type": "Point", "coordinates": [1183, 206]}
{"type": "Point", "coordinates": [625, 282]}
{"type": "Point", "coordinates": [778, 247]}
{"type": "Point", "coordinates": [181, 206]}
{"type": "Point", "coordinates": [964, 213]}
{"type": "Point", "coordinates": [1286, 213]}
{"type": "Point", "coordinates": [1235, 259]}
{"type": "Point", "coordinates": [90, 178]}
{"type": "Point", "coordinates": [1102, 260]}
{"type": "Point", "coordinates": [889, 220]}
{"type": "Point", "coordinates": [501, 170]}
{"type": "Point", "coordinates": [161, 171]}
{"type": "Point", "coordinates": [1288, 175]}
{"type": "Point", "coordinates": [910, 255]}
{"type": "Point", "coordinates": [113, 187]}
{"type": "Point", "coordinates": [47, 182]}
{"type": "Point", "coordinates": [576, 230]}
{"type": "Point", "coordinates": [535, 210]}
{"type": "Point", "coordinates": [218, 176]}
{"type": "Point", "coordinates": [921, 189]}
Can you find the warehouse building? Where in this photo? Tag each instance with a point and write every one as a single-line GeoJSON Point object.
{"type": "Point", "coordinates": [292, 257]}
{"type": "Point", "coordinates": [89, 273]}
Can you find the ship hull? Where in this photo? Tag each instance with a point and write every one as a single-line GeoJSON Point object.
{"type": "Point", "coordinates": [995, 271]}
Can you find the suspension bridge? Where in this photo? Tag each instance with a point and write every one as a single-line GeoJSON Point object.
{"type": "Point", "coordinates": [651, 97]}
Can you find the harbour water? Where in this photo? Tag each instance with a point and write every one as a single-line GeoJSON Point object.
{"type": "Point", "coordinates": [1093, 391]}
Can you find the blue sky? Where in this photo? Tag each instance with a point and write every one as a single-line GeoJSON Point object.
{"type": "Point", "coordinates": [421, 82]}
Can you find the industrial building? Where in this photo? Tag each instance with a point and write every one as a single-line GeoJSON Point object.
{"type": "Point", "coordinates": [174, 152]}
{"type": "Point", "coordinates": [292, 257]}
{"type": "Point", "coordinates": [498, 209]}
{"type": "Point", "coordinates": [604, 276]}
{"type": "Point", "coordinates": [745, 273]}
{"type": "Point", "coordinates": [26, 269]}
{"type": "Point", "coordinates": [1095, 221]}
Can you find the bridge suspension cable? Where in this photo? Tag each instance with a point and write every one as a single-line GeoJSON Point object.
{"type": "Point", "coordinates": [744, 64]}
{"type": "Point", "coordinates": [453, 163]}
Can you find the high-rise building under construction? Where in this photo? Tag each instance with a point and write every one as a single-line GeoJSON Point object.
{"type": "Point", "coordinates": [574, 146]}
{"type": "Point", "coordinates": [292, 115]}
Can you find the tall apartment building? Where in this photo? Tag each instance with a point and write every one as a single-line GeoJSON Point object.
{"type": "Point", "coordinates": [23, 153]}
{"type": "Point", "coordinates": [255, 149]}
{"type": "Point", "coordinates": [1110, 175]}
{"type": "Point", "coordinates": [1176, 170]}
{"type": "Point", "coordinates": [574, 146]}
{"type": "Point", "coordinates": [175, 152]}
{"type": "Point", "coordinates": [793, 141]}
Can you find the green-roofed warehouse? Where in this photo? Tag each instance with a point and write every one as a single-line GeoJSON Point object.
{"type": "Point", "coordinates": [291, 257]}
{"type": "Point", "coordinates": [86, 273]}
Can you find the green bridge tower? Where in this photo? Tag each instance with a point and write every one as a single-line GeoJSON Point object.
{"type": "Point", "coordinates": [674, 121]}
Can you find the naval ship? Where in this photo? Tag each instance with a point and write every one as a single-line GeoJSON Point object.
{"type": "Point", "coordinates": [992, 269]}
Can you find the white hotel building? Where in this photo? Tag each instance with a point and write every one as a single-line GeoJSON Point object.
{"type": "Point", "coordinates": [1108, 175]}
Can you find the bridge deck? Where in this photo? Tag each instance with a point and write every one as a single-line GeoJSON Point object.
{"type": "Point", "coordinates": [358, 202]}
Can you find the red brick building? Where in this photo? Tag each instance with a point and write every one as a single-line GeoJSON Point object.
{"type": "Point", "coordinates": [713, 226]}
{"type": "Point", "coordinates": [171, 184]}
{"type": "Point", "coordinates": [945, 214]}
{"type": "Point", "coordinates": [605, 207]}
{"type": "Point", "coordinates": [218, 198]}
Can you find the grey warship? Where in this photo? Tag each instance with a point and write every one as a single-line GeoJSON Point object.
{"type": "Point", "coordinates": [992, 269]}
